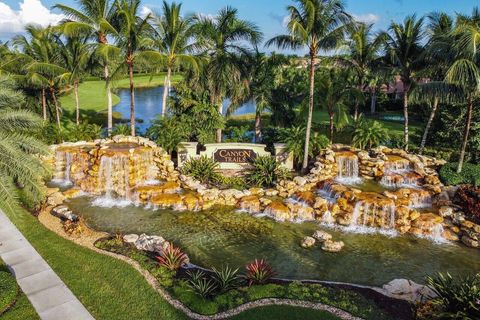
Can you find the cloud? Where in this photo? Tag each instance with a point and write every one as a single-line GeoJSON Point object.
{"type": "Point", "coordinates": [366, 18]}
{"type": "Point", "coordinates": [31, 12]}
{"type": "Point", "coordinates": [145, 11]}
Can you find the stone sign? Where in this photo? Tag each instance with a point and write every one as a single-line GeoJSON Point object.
{"type": "Point", "coordinates": [234, 155]}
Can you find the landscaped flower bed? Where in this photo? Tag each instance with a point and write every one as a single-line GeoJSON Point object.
{"type": "Point", "coordinates": [209, 292]}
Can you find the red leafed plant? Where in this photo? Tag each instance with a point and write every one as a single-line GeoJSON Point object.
{"type": "Point", "coordinates": [172, 258]}
{"type": "Point", "coordinates": [258, 272]}
{"type": "Point", "coordinates": [468, 197]}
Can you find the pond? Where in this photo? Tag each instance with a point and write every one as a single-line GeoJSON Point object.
{"type": "Point", "coordinates": [148, 105]}
{"type": "Point", "coordinates": [224, 236]}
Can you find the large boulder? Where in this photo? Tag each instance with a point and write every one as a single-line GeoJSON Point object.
{"type": "Point", "coordinates": [151, 243]}
{"type": "Point", "coordinates": [408, 290]}
{"type": "Point", "coordinates": [278, 210]}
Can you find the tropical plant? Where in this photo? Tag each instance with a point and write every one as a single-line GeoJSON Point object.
{"type": "Point", "coordinates": [20, 166]}
{"type": "Point", "coordinates": [293, 138]}
{"type": "Point", "coordinates": [237, 134]}
{"type": "Point", "coordinates": [95, 19]}
{"type": "Point", "coordinates": [225, 278]}
{"type": "Point", "coordinates": [266, 171]}
{"type": "Point", "coordinates": [318, 25]}
{"type": "Point", "coordinates": [456, 298]}
{"type": "Point", "coordinates": [173, 38]}
{"type": "Point", "coordinates": [172, 258]}
{"type": "Point", "coordinates": [363, 54]}
{"type": "Point", "coordinates": [468, 198]}
{"type": "Point", "coordinates": [84, 132]}
{"type": "Point", "coordinates": [201, 284]}
{"type": "Point", "coordinates": [222, 39]}
{"type": "Point", "coordinates": [369, 134]}
{"type": "Point", "coordinates": [406, 53]}
{"type": "Point", "coordinates": [203, 168]}
{"type": "Point", "coordinates": [465, 70]}
{"type": "Point", "coordinates": [258, 272]}
{"type": "Point", "coordinates": [168, 133]}
{"type": "Point", "coordinates": [132, 32]}
{"type": "Point", "coordinates": [121, 129]}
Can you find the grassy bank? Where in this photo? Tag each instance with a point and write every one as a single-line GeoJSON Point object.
{"type": "Point", "coordinates": [112, 289]}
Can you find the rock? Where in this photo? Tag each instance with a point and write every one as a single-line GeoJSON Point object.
{"type": "Point", "coordinates": [307, 242]}
{"type": "Point", "coordinates": [151, 243]}
{"type": "Point", "coordinates": [130, 238]}
{"type": "Point", "coordinates": [167, 200]}
{"type": "Point", "coordinates": [191, 202]}
{"type": "Point", "coordinates": [445, 211]}
{"type": "Point", "coordinates": [64, 213]}
{"type": "Point", "coordinates": [322, 235]}
{"type": "Point", "coordinates": [450, 235]}
{"type": "Point", "coordinates": [470, 242]}
{"type": "Point", "coordinates": [320, 203]}
{"type": "Point", "coordinates": [408, 290]}
{"type": "Point", "coordinates": [250, 204]}
{"type": "Point", "coordinates": [307, 197]}
{"type": "Point", "coordinates": [55, 199]}
{"type": "Point", "coordinates": [73, 193]}
{"type": "Point", "coordinates": [278, 210]}
{"type": "Point", "coordinates": [332, 246]}
{"type": "Point", "coordinates": [300, 181]}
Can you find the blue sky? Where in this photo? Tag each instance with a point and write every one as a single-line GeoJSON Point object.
{"type": "Point", "coordinates": [268, 14]}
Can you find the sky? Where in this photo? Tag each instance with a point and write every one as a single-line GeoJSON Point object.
{"type": "Point", "coordinates": [269, 15]}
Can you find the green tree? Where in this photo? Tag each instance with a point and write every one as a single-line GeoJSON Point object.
{"type": "Point", "coordinates": [20, 165]}
{"type": "Point", "coordinates": [405, 52]}
{"type": "Point", "coordinates": [222, 40]}
{"type": "Point", "coordinates": [94, 18]}
{"type": "Point", "coordinates": [465, 70]}
{"type": "Point", "coordinates": [132, 33]}
{"type": "Point", "coordinates": [174, 38]}
{"type": "Point", "coordinates": [317, 25]}
{"type": "Point", "coordinates": [369, 134]}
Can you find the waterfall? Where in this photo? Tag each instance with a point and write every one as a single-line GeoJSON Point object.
{"type": "Point", "coordinates": [327, 218]}
{"type": "Point", "coordinates": [399, 174]}
{"type": "Point", "coordinates": [348, 169]}
{"type": "Point", "coordinates": [370, 217]}
{"type": "Point", "coordinates": [437, 234]}
{"type": "Point", "coordinates": [63, 166]}
{"type": "Point", "coordinates": [420, 201]}
{"type": "Point", "coordinates": [113, 178]}
{"type": "Point", "coordinates": [327, 193]}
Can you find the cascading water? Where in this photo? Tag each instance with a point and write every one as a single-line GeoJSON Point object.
{"type": "Point", "coordinates": [420, 201]}
{"type": "Point", "coordinates": [327, 193]}
{"type": "Point", "coordinates": [63, 165]}
{"type": "Point", "coordinates": [370, 217]}
{"type": "Point", "coordinates": [399, 174]}
{"type": "Point", "coordinates": [347, 166]}
{"type": "Point", "coordinates": [113, 179]}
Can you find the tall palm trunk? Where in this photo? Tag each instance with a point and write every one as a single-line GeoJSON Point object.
{"type": "Point", "coordinates": [166, 89]}
{"type": "Point", "coordinates": [330, 118]}
{"type": "Point", "coordinates": [57, 109]}
{"type": "Point", "coordinates": [109, 100]}
{"type": "Point", "coordinates": [405, 115]}
{"type": "Point", "coordinates": [77, 102]}
{"type": "Point", "coordinates": [310, 111]}
{"type": "Point", "coordinates": [373, 103]}
{"type": "Point", "coordinates": [258, 126]}
{"type": "Point", "coordinates": [466, 132]}
{"type": "Point", "coordinates": [132, 100]}
{"type": "Point", "coordinates": [429, 124]}
{"type": "Point", "coordinates": [44, 105]}
{"type": "Point", "coordinates": [219, 130]}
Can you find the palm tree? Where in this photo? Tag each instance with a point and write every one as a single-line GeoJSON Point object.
{"type": "Point", "coordinates": [369, 134]}
{"type": "Point", "coordinates": [405, 51]}
{"type": "Point", "coordinates": [465, 70]}
{"type": "Point", "coordinates": [317, 25]}
{"type": "Point", "coordinates": [131, 39]}
{"type": "Point", "coordinates": [222, 41]}
{"type": "Point", "coordinates": [94, 18]}
{"type": "Point", "coordinates": [363, 54]}
{"type": "Point", "coordinates": [334, 92]}
{"type": "Point", "coordinates": [75, 54]}
{"type": "Point", "coordinates": [173, 38]}
{"type": "Point", "coordinates": [19, 150]}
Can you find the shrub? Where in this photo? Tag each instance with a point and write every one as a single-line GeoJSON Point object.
{"type": "Point", "coordinates": [266, 171]}
{"type": "Point", "coordinates": [168, 133]}
{"type": "Point", "coordinates": [258, 272]}
{"type": "Point", "coordinates": [457, 299]}
{"type": "Point", "coordinates": [369, 134]}
{"type": "Point", "coordinates": [121, 129]}
{"type": "Point", "coordinates": [469, 175]}
{"type": "Point", "coordinates": [294, 138]}
{"type": "Point", "coordinates": [172, 258]}
{"type": "Point", "coordinates": [225, 278]}
{"type": "Point", "coordinates": [201, 284]}
{"type": "Point", "coordinates": [238, 134]}
{"type": "Point", "coordinates": [469, 199]}
{"type": "Point", "coordinates": [202, 168]}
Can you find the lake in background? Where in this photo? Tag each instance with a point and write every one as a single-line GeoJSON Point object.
{"type": "Point", "coordinates": [148, 105]}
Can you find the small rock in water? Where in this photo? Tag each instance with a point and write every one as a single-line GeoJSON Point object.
{"type": "Point", "coordinates": [307, 242]}
{"type": "Point", "coordinates": [322, 235]}
{"type": "Point", "coordinates": [332, 246]}
{"type": "Point", "coordinates": [130, 238]}
{"type": "Point", "coordinates": [408, 290]}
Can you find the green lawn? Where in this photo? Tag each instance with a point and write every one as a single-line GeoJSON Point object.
{"type": "Point", "coordinates": [112, 289]}
{"type": "Point", "coordinates": [12, 299]}
{"type": "Point", "coordinates": [93, 96]}
{"type": "Point", "coordinates": [284, 313]}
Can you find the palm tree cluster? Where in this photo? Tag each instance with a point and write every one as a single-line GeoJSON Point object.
{"type": "Point", "coordinates": [435, 58]}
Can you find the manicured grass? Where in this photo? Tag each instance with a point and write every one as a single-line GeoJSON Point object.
{"type": "Point", "coordinates": [112, 289]}
{"type": "Point", "coordinates": [284, 313]}
{"type": "Point", "coordinates": [13, 303]}
{"type": "Point", "coordinates": [93, 96]}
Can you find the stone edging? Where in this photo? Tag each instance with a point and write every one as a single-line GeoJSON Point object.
{"type": "Point", "coordinates": [181, 307]}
